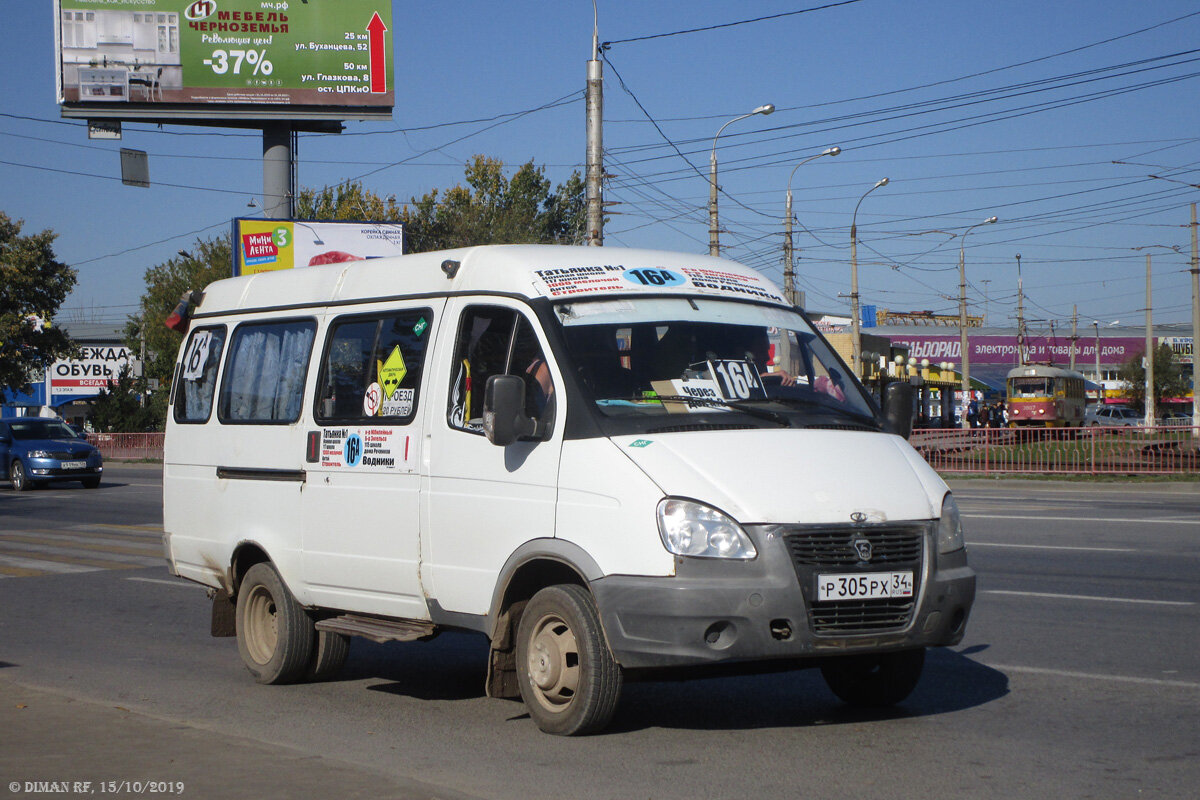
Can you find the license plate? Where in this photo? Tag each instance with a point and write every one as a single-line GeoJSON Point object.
{"type": "Point", "coordinates": [864, 586]}
{"type": "Point", "coordinates": [74, 465]}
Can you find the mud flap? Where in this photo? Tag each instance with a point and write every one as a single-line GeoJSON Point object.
{"type": "Point", "coordinates": [502, 659]}
{"type": "Point", "coordinates": [224, 615]}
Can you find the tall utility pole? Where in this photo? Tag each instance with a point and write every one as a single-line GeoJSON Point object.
{"type": "Point", "coordinates": [1074, 333]}
{"type": "Point", "coordinates": [595, 140]}
{"type": "Point", "coordinates": [1020, 316]}
{"type": "Point", "coordinates": [714, 225]}
{"type": "Point", "coordinates": [1195, 325]}
{"type": "Point", "coordinates": [962, 318]}
{"type": "Point", "coordinates": [1099, 375]}
{"type": "Point", "coordinates": [1149, 351]}
{"type": "Point", "coordinates": [789, 266]}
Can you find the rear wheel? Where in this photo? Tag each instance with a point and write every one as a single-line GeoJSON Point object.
{"type": "Point", "coordinates": [17, 477]}
{"type": "Point", "coordinates": [874, 680]}
{"type": "Point", "coordinates": [569, 680]}
{"type": "Point", "coordinates": [275, 636]}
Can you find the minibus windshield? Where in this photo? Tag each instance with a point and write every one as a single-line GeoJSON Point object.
{"type": "Point", "coordinates": [685, 356]}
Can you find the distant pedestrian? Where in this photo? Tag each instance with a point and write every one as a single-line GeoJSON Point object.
{"type": "Point", "coordinates": [973, 413]}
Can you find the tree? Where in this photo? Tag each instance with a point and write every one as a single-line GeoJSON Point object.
{"type": "Point", "coordinates": [210, 260]}
{"type": "Point", "coordinates": [346, 201]}
{"type": "Point", "coordinates": [1170, 378]}
{"type": "Point", "coordinates": [33, 284]}
{"type": "Point", "coordinates": [119, 409]}
{"type": "Point", "coordinates": [495, 209]}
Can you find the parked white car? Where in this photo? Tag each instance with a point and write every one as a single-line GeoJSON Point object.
{"type": "Point", "coordinates": [1112, 417]}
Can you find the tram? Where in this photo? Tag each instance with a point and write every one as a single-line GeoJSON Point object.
{"type": "Point", "coordinates": [1041, 396]}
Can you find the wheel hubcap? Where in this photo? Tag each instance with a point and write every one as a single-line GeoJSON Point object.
{"type": "Point", "coordinates": [262, 631]}
{"type": "Point", "coordinates": [553, 663]}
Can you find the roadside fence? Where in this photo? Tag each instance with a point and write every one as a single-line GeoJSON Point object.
{"type": "Point", "coordinates": [1166, 450]}
{"type": "Point", "coordinates": [133, 446]}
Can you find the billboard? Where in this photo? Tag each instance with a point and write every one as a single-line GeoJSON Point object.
{"type": "Point", "coordinates": [96, 367]}
{"type": "Point", "coordinates": [1002, 350]}
{"type": "Point", "coordinates": [264, 245]}
{"type": "Point", "coordinates": [224, 59]}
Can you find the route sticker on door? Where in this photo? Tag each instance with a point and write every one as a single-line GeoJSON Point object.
{"type": "Point", "coordinates": [365, 449]}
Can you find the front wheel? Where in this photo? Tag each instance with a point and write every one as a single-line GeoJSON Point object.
{"type": "Point", "coordinates": [275, 636]}
{"type": "Point", "coordinates": [569, 680]}
{"type": "Point", "coordinates": [874, 680]}
{"type": "Point", "coordinates": [17, 477]}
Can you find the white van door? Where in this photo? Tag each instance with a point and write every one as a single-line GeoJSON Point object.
{"type": "Point", "coordinates": [361, 498]}
{"type": "Point", "coordinates": [483, 501]}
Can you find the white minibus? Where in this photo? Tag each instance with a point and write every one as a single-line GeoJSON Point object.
{"type": "Point", "coordinates": [612, 463]}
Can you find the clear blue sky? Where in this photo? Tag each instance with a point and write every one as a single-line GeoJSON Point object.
{"type": "Point", "coordinates": [1016, 109]}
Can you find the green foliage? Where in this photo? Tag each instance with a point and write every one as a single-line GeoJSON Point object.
{"type": "Point", "coordinates": [495, 209]}
{"type": "Point", "coordinates": [346, 201]}
{"type": "Point", "coordinates": [1171, 379]}
{"type": "Point", "coordinates": [209, 260]}
{"type": "Point", "coordinates": [33, 284]}
{"type": "Point", "coordinates": [118, 408]}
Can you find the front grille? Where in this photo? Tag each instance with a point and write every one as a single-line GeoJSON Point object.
{"type": "Point", "coordinates": [860, 616]}
{"type": "Point", "coordinates": [818, 550]}
{"type": "Point", "coordinates": [834, 548]}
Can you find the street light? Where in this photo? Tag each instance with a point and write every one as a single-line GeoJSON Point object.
{"type": "Point", "coordinates": [789, 287]}
{"type": "Point", "coordinates": [714, 242]}
{"type": "Point", "coordinates": [962, 316]}
{"type": "Point", "coordinates": [855, 333]}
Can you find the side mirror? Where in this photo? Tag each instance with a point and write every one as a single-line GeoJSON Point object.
{"type": "Point", "coordinates": [504, 419]}
{"type": "Point", "coordinates": [897, 408]}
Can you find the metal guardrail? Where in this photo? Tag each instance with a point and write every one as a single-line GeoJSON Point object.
{"type": "Point", "coordinates": [1163, 450]}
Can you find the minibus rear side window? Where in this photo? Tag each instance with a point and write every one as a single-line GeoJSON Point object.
{"type": "Point", "coordinates": [372, 367]}
{"type": "Point", "coordinates": [264, 379]}
{"type": "Point", "coordinates": [197, 380]}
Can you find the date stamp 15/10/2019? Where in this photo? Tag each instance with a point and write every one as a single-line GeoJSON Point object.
{"type": "Point", "coordinates": [127, 787]}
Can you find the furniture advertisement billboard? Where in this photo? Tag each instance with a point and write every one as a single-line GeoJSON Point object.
{"type": "Point", "coordinates": [228, 59]}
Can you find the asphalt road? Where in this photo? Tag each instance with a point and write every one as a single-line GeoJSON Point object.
{"type": "Point", "coordinates": [1078, 677]}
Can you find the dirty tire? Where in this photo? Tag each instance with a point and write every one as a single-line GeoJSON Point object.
{"type": "Point", "coordinates": [569, 680]}
{"type": "Point", "coordinates": [329, 654]}
{"type": "Point", "coordinates": [275, 636]}
{"type": "Point", "coordinates": [17, 477]}
{"type": "Point", "coordinates": [874, 680]}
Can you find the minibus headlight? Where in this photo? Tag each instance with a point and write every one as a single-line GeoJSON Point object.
{"type": "Point", "coordinates": [692, 529]}
{"type": "Point", "coordinates": [950, 531]}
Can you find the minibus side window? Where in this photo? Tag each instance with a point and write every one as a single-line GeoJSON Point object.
{"type": "Point", "coordinates": [264, 379]}
{"type": "Point", "coordinates": [497, 341]}
{"type": "Point", "coordinates": [198, 375]}
{"type": "Point", "coordinates": [372, 367]}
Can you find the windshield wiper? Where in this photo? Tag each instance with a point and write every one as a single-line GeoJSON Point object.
{"type": "Point", "coordinates": [846, 412]}
{"type": "Point", "coordinates": [737, 405]}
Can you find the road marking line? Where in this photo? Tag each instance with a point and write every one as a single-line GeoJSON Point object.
{"type": "Point", "coordinates": [180, 582]}
{"type": "Point", "coordinates": [80, 543]}
{"type": "Point", "coordinates": [1090, 519]}
{"type": "Point", "coordinates": [1063, 673]}
{"type": "Point", "coordinates": [1053, 547]}
{"type": "Point", "coordinates": [1091, 597]}
{"type": "Point", "coordinates": [47, 566]}
{"type": "Point", "coordinates": [69, 556]}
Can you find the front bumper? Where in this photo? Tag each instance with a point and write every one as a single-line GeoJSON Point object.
{"type": "Point", "coordinates": [44, 469]}
{"type": "Point", "coordinates": [714, 611]}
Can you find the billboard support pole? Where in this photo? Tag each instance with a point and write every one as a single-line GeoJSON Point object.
{"type": "Point", "coordinates": [279, 190]}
